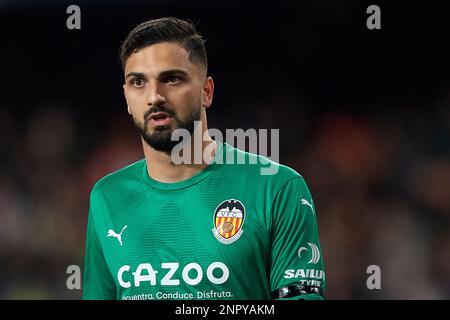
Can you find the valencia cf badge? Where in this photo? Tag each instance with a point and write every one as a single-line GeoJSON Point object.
{"type": "Point", "coordinates": [228, 220]}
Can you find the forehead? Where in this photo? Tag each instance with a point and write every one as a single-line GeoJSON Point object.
{"type": "Point", "coordinates": [159, 57]}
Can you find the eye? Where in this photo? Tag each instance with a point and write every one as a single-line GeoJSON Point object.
{"type": "Point", "coordinates": [136, 82]}
{"type": "Point", "coordinates": [172, 79]}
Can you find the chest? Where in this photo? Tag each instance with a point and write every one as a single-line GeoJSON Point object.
{"type": "Point", "coordinates": [188, 229]}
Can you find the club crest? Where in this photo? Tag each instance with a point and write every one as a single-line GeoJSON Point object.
{"type": "Point", "coordinates": [228, 220]}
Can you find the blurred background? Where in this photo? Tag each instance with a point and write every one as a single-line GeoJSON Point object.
{"type": "Point", "coordinates": [364, 116]}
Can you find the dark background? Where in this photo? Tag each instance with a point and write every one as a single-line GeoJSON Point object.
{"type": "Point", "coordinates": [364, 116]}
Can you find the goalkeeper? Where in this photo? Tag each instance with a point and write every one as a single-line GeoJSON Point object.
{"type": "Point", "coordinates": [208, 230]}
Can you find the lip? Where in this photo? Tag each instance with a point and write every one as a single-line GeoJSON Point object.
{"type": "Point", "coordinates": [160, 119]}
{"type": "Point", "coordinates": [157, 115]}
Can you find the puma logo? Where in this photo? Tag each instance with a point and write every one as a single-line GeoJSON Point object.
{"type": "Point", "coordinates": [306, 202]}
{"type": "Point", "coordinates": [111, 233]}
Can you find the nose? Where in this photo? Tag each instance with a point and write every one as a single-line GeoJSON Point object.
{"type": "Point", "coordinates": [155, 95]}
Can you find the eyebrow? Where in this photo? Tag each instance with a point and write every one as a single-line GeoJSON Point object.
{"type": "Point", "coordinates": [173, 72]}
{"type": "Point", "coordinates": [135, 74]}
{"type": "Point", "coordinates": [165, 73]}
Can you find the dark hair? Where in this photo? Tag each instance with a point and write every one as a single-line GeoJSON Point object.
{"type": "Point", "coordinates": [167, 29]}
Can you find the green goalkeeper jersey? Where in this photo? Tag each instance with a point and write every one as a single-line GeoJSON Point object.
{"type": "Point", "coordinates": [228, 232]}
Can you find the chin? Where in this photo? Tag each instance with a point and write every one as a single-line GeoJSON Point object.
{"type": "Point", "coordinates": [162, 128]}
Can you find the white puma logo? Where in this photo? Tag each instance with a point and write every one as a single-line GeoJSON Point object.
{"type": "Point", "coordinates": [304, 201]}
{"type": "Point", "coordinates": [111, 233]}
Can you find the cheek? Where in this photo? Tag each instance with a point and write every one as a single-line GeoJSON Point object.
{"type": "Point", "coordinates": [133, 103]}
{"type": "Point", "coordinates": [189, 98]}
{"type": "Point", "coordinates": [131, 99]}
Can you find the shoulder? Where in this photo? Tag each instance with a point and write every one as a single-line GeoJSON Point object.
{"type": "Point", "coordinates": [259, 169]}
{"type": "Point", "coordinates": [118, 180]}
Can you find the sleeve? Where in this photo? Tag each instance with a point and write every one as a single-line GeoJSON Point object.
{"type": "Point", "coordinates": [297, 270]}
{"type": "Point", "coordinates": [98, 283]}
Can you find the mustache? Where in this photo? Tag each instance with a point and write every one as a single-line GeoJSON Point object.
{"type": "Point", "coordinates": [155, 109]}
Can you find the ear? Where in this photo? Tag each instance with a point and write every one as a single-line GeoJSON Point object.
{"type": "Point", "coordinates": [208, 92]}
{"type": "Point", "coordinates": [125, 94]}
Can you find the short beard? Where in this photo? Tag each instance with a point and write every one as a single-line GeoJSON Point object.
{"type": "Point", "coordinates": [161, 139]}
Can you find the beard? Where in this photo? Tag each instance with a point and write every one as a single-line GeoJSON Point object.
{"type": "Point", "coordinates": [160, 139]}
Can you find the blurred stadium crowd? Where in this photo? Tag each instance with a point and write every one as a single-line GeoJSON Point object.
{"type": "Point", "coordinates": [380, 182]}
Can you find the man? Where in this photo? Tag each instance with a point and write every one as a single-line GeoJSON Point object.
{"type": "Point", "coordinates": [203, 230]}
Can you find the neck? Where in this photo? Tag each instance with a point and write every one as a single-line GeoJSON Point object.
{"type": "Point", "coordinates": [160, 166]}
